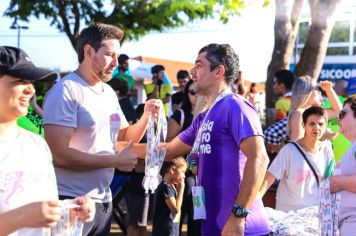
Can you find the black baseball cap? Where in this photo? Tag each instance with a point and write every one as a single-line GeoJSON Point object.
{"type": "Point", "coordinates": [16, 63]}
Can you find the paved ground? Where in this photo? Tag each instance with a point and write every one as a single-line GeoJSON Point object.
{"type": "Point", "coordinates": [115, 230]}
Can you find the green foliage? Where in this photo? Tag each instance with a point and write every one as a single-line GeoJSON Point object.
{"type": "Point", "coordinates": [337, 51]}
{"type": "Point", "coordinates": [135, 17]}
{"type": "Point", "coordinates": [41, 90]}
{"type": "Point", "coordinates": [340, 32]}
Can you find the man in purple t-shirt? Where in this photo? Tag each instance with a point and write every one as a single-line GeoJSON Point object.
{"type": "Point", "coordinates": [231, 139]}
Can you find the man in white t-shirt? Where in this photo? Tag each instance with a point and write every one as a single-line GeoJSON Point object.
{"type": "Point", "coordinates": [298, 187]}
{"type": "Point", "coordinates": [28, 191]}
{"type": "Point", "coordinates": [82, 120]}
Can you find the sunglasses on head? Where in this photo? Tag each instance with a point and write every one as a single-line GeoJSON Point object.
{"type": "Point", "coordinates": [342, 114]}
{"type": "Point", "coordinates": [191, 92]}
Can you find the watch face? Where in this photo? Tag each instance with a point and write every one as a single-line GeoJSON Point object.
{"type": "Point", "coordinates": [240, 212]}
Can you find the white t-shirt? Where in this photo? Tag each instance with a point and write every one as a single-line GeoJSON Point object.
{"type": "Point", "coordinates": [298, 187]}
{"type": "Point", "coordinates": [348, 168]}
{"type": "Point", "coordinates": [96, 117]}
{"type": "Point", "coordinates": [26, 175]}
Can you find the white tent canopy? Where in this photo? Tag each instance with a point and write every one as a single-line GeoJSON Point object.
{"type": "Point", "coordinates": [140, 70]}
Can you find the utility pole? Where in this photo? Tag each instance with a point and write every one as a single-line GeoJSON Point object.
{"type": "Point", "coordinates": [18, 27]}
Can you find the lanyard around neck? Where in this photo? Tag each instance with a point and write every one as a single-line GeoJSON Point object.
{"type": "Point", "coordinates": [197, 140]}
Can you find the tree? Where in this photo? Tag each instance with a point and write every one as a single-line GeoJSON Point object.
{"type": "Point", "coordinates": [286, 29]}
{"type": "Point", "coordinates": [136, 17]}
{"type": "Point", "coordinates": [314, 51]}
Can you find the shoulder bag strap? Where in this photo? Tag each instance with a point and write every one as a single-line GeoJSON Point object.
{"type": "Point", "coordinates": [306, 159]}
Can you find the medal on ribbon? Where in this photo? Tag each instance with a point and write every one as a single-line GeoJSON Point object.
{"type": "Point", "coordinates": [154, 158]}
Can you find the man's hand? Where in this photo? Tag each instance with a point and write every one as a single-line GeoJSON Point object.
{"type": "Point", "coordinates": [234, 227]}
{"type": "Point", "coordinates": [126, 160]}
{"type": "Point", "coordinates": [86, 210]}
{"type": "Point", "coordinates": [40, 214]}
{"type": "Point", "coordinates": [152, 107]}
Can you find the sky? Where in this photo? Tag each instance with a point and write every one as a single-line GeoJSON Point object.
{"type": "Point", "coordinates": [251, 35]}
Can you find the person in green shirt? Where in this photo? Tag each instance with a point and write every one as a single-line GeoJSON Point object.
{"type": "Point", "coordinates": [123, 69]}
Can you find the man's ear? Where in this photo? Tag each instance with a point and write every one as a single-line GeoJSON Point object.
{"type": "Point", "coordinates": [88, 51]}
{"type": "Point", "coordinates": [220, 72]}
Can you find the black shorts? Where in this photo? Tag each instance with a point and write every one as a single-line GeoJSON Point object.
{"type": "Point", "coordinates": [139, 204]}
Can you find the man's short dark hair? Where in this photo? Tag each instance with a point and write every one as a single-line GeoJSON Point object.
{"type": "Point", "coordinates": [122, 58]}
{"type": "Point", "coordinates": [157, 68]}
{"type": "Point", "coordinates": [285, 77]}
{"type": "Point", "coordinates": [119, 85]}
{"type": "Point", "coordinates": [223, 54]}
{"type": "Point", "coordinates": [183, 74]}
{"type": "Point", "coordinates": [94, 35]}
{"type": "Point", "coordinates": [314, 110]}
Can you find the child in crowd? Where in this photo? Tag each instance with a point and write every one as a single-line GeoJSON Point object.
{"type": "Point", "coordinates": [169, 198]}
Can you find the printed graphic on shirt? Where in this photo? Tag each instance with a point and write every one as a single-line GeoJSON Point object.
{"type": "Point", "coordinates": [16, 184]}
{"type": "Point", "coordinates": [205, 147]}
{"type": "Point", "coordinates": [303, 176]}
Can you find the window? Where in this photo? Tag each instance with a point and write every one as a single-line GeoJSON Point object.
{"type": "Point", "coordinates": [334, 51]}
{"type": "Point", "coordinates": [339, 42]}
{"type": "Point", "coordinates": [304, 28]}
{"type": "Point", "coordinates": [340, 32]}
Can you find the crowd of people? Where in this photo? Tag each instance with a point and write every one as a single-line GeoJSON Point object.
{"type": "Point", "coordinates": [219, 163]}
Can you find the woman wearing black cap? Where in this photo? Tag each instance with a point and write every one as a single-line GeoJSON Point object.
{"type": "Point", "coordinates": [28, 190]}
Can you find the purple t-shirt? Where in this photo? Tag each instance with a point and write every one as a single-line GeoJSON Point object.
{"type": "Point", "coordinates": [221, 163]}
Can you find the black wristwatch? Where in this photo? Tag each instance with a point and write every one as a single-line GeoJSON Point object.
{"type": "Point", "coordinates": [239, 211]}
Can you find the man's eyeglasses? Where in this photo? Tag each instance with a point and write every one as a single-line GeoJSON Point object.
{"type": "Point", "coordinates": [191, 92]}
{"type": "Point", "coordinates": [342, 114]}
